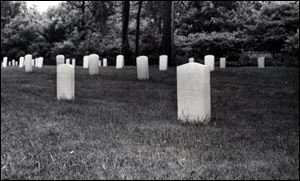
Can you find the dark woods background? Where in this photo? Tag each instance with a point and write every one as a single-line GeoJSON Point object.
{"type": "Point", "coordinates": [238, 30]}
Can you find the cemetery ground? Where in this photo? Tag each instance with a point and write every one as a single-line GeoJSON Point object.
{"type": "Point", "coordinates": [122, 128]}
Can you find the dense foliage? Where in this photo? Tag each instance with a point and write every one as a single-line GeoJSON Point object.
{"type": "Point", "coordinates": [222, 28]}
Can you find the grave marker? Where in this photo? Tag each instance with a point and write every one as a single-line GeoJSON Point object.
{"type": "Point", "coordinates": [93, 64]}
{"type": "Point", "coordinates": [193, 93]}
{"type": "Point", "coordinates": [209, 60]}
{"type": "Point", "coordinates": [28, 63]}
{"type": "Point", "coordinates": [120, 62]}
{"type": "Point", "coordinates": [163, 62]}
{"type": "Point", "coordinates": [222, 62]}
{"type": "Point", "coordinates": [142, 68]}
{"type": "Point", "coordinates": [65, 82]}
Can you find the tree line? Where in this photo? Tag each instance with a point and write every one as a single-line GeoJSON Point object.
{"type": "Point", "coordinates": [179, 29]}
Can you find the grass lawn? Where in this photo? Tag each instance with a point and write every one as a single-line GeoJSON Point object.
{"type": "Point", "coordinates": [122, 128]}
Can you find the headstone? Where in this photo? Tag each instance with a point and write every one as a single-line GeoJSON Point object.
{"type": "Point", "coordinates": [193, 93]}
{"type": "Point", "coordinates": [86, 62]}
{"type": "Point", "coordinates": [13, 62]}
{"type": "Point", "coordinates": [191, 60]}
{"type": "Point", "coordinates": [261, 62]}
{"type": "Point", "coordinates": [104, 62]}
{"type": "Point", "coordinates": [36, 62]}
{"type": "Point", "coordinates": [60, 59]}
{"type": "Point", "coordinates": [40, 62]}
{"type": "Point", "coordinates": [93, 64]}
{"type": "Point", "coordinates": [9, 63]}
{"type": "Point", "coordinates": [223, 62]}
{"type": "Point", "coordinates": [32, 61]}
{"type": "Point", "coordinates": [142, 68]}
{"type": "Point", "coordinates": [65, 82]}
{"type": "Point", "coordinates": [100, 63]}
{"type": "Point", "coordinates": [209, 60]}
{"type": "Point", "coordinates": [74, 62]}
{"type": "Point", "coordinates": [4, 63]}
{"type": "Point", "coordinates": [68, 61]}
{"type": "Point", "coordinates": [21, 60]}
{"type": "Point", "coordinates": [120, 62]}
{"type": "Point", "coordinates": [17, 63]}
{"type": "Point", "coordinates": [163, 62]}
{"type": "Point", "coordinates": [28, 63]}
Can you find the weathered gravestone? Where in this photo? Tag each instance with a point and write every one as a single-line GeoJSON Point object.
{"type": "Point", "coordinates": [21, 60]}
{"type": "Point", "coordinates": [209, 60]}
{"type": "Point", "coordinates": [28, 63]}
{"type": "Point", "coordinates": [74, 62]}
{"type": "Point", "coordinates": [100, 63]}
{"type": "Point", "coordinates": [120, 62]}
{"type": "Point", "coordinates": [222, 62]}
{"type": "Point", "coordinates": [86, 62]}
{"type": "Point", "coordinates": [68, 61]}
{"type": "Point", "coordinates": [32, 61]}
{"type": "Point", "coordinates": [261, 62]}
{"type": "Point", "coordinates": [191, 60]}
{"type": "Point", "coordinates": [93, 64]}
{"type": "Point", "coordinates": [60, 59]}
{"type": "Point", "coordinates": [142, 68]}
{"type": "Point", "coordinates": [104, 62]}
{"type": "Point", "coordinates": [65, 82]}
{"type": "Point", "coordinates": [163, 62]}
{"type": "Point", "coordinates": [9, 63]}
{"type": "Point", "coordinates": [17, 63]}
{"type": "Point", "coordinates": [4, 63]}
{"type": "Point", "coordinates": [13, 62]}
{"type": "Point", "coordinates": [193, 93]}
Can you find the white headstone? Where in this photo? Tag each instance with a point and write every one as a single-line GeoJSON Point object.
{"type": "Point", "coordinates": [209, 60]}
{"type": "Point", "coordinates": [21, 60]}
{"type": "Point", "coordinates": [17, 63]}
{"type": "Point", "coordinates": [193, 92]}
{"type": "Point", "coordinates": [261, 62]}
{"type": "Point", "coordinates": [60, 59]}
{"type": "Point", "coordinates": [100, 63]}
{"type": "Point", "coordinates": [65, 82]}
{"type": "Point", "coordinates": [13, 62]}
{"type": "Point", "coordinates": [104, 62]}
{"type": "Point", "coordinates": [191, 60]}
{"type": "Point", "coordinates": [93, 64]}
{"type": "Point", "coordinates": [86, 62]}
{"type": "Point", "coordinates": [40, 62]}
{"type": "Point", "coordinates": [32, 61]}
{"type": "Point", "coordinates": [28, 63]}
{"type": "Point", "coordinates": [120, 62]}
{"type": "Point", "coordinates": [142, 68]}
{"type": "Point", "coordinates": [223, 62]}
{"type": "Point", "coordinates": [68, 61]}
{"type": "Point", "coordinates": [163, 62]}
{"type": "Point", "coordinates": [73, 62]}
{"type": "Point", "coordinates": [4, 63]}
{"type": "Point", "coordinates": [9, 63]}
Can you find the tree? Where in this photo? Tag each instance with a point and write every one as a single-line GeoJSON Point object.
{"type": "Point", "coordinates": [82, 6]}
{"type": "Point", "coordinates": [167, 31]}
{"type": "Point", "coordinates": [137, 33]}
{"type": "Point", "coordinates": [125, 22]}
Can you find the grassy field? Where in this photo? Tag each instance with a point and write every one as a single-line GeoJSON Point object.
{"type": "Point", "coordinates": [122, 128]}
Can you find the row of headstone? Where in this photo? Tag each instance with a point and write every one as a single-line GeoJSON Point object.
{"type": "Point", "coordinates": [60, 59]}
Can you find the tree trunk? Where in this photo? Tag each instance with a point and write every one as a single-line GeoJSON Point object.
{"type": "Point", "coordinates": [125, 21]}
{"type": "Point", "coordinates": [172, 33]}
{"type": "Point", "coordinates": [167, 31]}
{"type": "Point", "coordinates": [137, 35]}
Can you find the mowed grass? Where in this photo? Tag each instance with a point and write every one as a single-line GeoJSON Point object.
{"type": "Point", "coordinates": [122, 128]}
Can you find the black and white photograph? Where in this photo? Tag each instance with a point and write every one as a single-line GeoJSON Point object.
{"type": "Point", "coordinates": [149, 90]}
